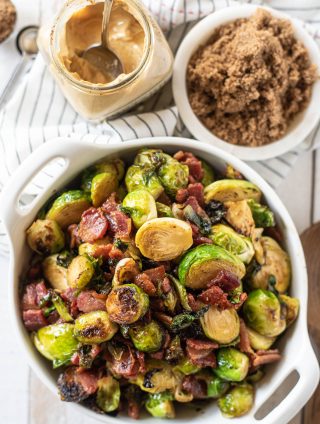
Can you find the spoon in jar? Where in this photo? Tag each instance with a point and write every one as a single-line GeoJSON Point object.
{"type": "Point", "coordinates": [101, 56]}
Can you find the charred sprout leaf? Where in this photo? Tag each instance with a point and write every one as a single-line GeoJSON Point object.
{"type": "Point", "coordinates": [147, 337]}
{"type": "Point", "coordinates": [94, 327]}
{"type": "Point", "coordinates": [237, 402]}
{"type": "Point", "coordinates": [182, 321]}
{"type": "Point", "coordinates": [182, 293]}
{"type": "Point", "coordinates": [232, 365]}
{"type": "Point", "coordinates": [231, 190]}
{"type": "Point", "coordinates": [108, 395]}
{"type": "Point", "coordinates": [55, 274]}
{"type": "Point", "coordinates": [262, 312]}
{"type": "Point", "coordinates": [64, 258]}
{"type": "Point", "coordinates": [215, 210]}
{"type": "Point", "coordinates": [80, 272]}
{"type": "Point", "coordinates": [216, 387]}
{"type": "Point", "coordinates": [221, 325]}
{"type": "Point", "coordinates": [160, 405]}
{"type": "Point", "coordinates": [140, 205]}
{"type": "Point", "coordinates": [164, 210]}
{"type": "Point", "coordinates": [291, 305]}
{"type": "Point", "coordinates": [186, 367]}
{"type": "Point", "coordinates": [204, 224]}
{"type": "Point", "coordinates": [47, 311]}
{"type": "Point", "coordinates": [45, 237]}
{"type": "Point", "coordinates": [143, 177]}
{"type": "Point", "coordinates": [61, 307]}
{"type": "Point", "coordinates": [173, 175]}
{"type": "Point", "coordinates": [262, 215]}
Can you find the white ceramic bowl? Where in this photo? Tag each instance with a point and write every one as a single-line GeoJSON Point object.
{"type": "Point", "coordinates": [295, 345]}
{"type": "Point", "coordinates": [200, 33]}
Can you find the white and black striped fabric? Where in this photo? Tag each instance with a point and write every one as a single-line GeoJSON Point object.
{"type": "Point", "coordinates": [38, 111]}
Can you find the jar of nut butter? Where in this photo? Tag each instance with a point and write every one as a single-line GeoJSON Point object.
{"type": "Point", "coordinates": [135, 38]}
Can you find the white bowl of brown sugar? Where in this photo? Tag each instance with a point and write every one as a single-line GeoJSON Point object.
{"type": "Point", "coordinates": [246, 79]}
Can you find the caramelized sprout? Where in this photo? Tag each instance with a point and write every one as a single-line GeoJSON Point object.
{"type": "Point", "coordinates": [55, 274]}
{"type": "Point", "coordinates": [221, 325]}
{"type": "Point", "coordinates": [141, 206]}
{"type": "Point", "coordinates": [80, 272]}
{"type": "Point", "coordinates": [45, 237]}
{"type": "Point", "coordinates": [231, 190]}
{"type": "Point", "coordinates": [237, 402]}
{"type": "Point", "coordinates": [232, 365]}
{"type": "Point", "coordinates": [160, 405]}
{"type": "Point", "coordinates": [125, 272]}
{"type": "Point", "coordinates": [94, 327]}
{"type": "Point", "coordinates": [108, 394]}
{"type": "Point", "coordinates": [143, 177]}
{"type": "Point", "coordinates": [147, 337]}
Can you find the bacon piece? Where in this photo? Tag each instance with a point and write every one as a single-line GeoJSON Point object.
{"type": "Point", "coordinates": [34, 272]}
{"type": "Point", "coordinates": [200, 352]}
{"type": "Point", "coordinates": [197, 237]}
{"type": "Point", "coordinates": [93, 225]}
{"type": "Point", "coordinates": [196, 190]}
{"type": "Point", "coordinates": [244, 344]}
{"type": "Point", "coordinates": [116, 254]}
{"type": "Point", "coordinates": [182, 195]}
{"type": "Point", "coordinates": [73, 231]}
{"type": "Point", "coordinates": [165, 319]}
{"type": "Point", "coordinates": [156, 274]}
{"type": "Point", "coordinates": [102, 251]}
{"type": "Point", "coordinates": [262, 357]}
{"type": "Point", "coordinates": [120, 223]}
{"type": "Point", "coordinates": [194, 164]}
{"type": "Point", "coordinates": [166, 286]}
{"type": "Point", "coordinates": [194, 386]}
{"type": "Point", "coordinates": [33, 295]}
{"type": "Point", "coordinates": [194, 304]}
{"type": "Point", "coordinates": [243, 298]}
{"type": "Point", "coordinates": [34, 319]}
{"type": "Point", "coordinates": [111, 204]}
{"type": "Point", "coordinates": [70, 296]}
{"type": "Point", "coordinates": [133, 409]}
{"type": "Point", "coordinates": [164, 198]}
{"type": "Point", "coordinates": [157, 304]}
{"type": "Point", "coordinates": [90, 300]}
{"type": "Point", "coordinates": [53, 317]}
{"type": "Point", "coordinates": [127, 365]}
{"type": "Point", "coordinates": [144, 282]}
{"type": "Point", "coordinates": [76, 384]}
{"type": "Point", "coordinates": [215, 296]}
{"type": "Point", "coordinates": [141, 359]}
{"type": "Point", "coordinates": [157, 355]}
{"type": "Point", "coordinates": [226, 280]}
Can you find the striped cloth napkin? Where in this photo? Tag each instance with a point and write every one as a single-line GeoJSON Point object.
{"type": "Point", "coordinates": [38, 111]}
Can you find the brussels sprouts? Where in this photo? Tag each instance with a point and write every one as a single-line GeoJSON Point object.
{"type": "Point", "coordinates": [231, 190]}
{"type": "Point", "coordinates": [55, 274]}
{"type": "Point", "coordinates": [262, 215]}
{"type": "Point", "coordinates": [232, 173]}
{"type": "Point", "coordinates": [237, 402]}
{"type": "Point", "coordinates": [56, 342]}
{"type": "Point", "coordinates": [291, 306]}
{"type": "Point", "coordinates": [226, 237]}
{"type": "Point", "coordinates": [80, 272]}
{"type": "Point", "coordinates": [170, 300]}
{"type": "Point", "coordinates": [256, 376]}
{"type": "Point", "coordinates": [114, 165]}
{"type": "Point", "coordinates": [208, 174]}
{"type": "Point", "coordinates": [262, 312]}
{"type": "Point", "coordinates": [256, 237]}
{"type": "Point", "coordinates": [141, 206]}
{"type": "Point", "coordinates": [126, 304]}
{"type": "Point", "coordinates": [164, 239]}
{"type": "Point", "coordinates": [182, 293]}
{"type": "Point", "coordinates": [94, 327]}
{"type": "Point", "coordinates": [102, 185]}
{"type": "Point", "coordinates": [202, 263]}
{"type": "Point", "coordinates": [147, 337]}
{"type": "Point", "coordinates": [216, 387]}
{"type": "Point", "coordinates": [68, 208]}
{"type": "Point", "coordinates": [125, 272]}
{"type": "Point", "coordinates": [276, 266]}
{"type": "Point", "coordinates": [186, 367]}
{"type": "Point", "coordinates": [151, 157]}
{"type": "Point", "coordinates": [258, 341]}
{"type": "Point", "coordinates": [160, 405]}
{"type": "Point", "coordinates": [45, 237]}
{"type": "Point", "coordinates": [158, 378]}
{"type": "Point", "coordinates": [61, 307]}
{"type": "Point", "coordinates": [108, 394]}
{"type": "Point", "coordinates": [221, 325]}
{"type": "Point", "coordinates": [239, 216]}
{"type": "Point", "coordinates": [232, 365]}
{"type": "Point", "coordinates": [173, 175]}
{"type": "Point", "coordinates": [163, 210]}
{"type": "Point", "coordinates": [143, 177]}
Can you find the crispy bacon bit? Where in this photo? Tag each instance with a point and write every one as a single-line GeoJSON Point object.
{"type": "Point", "coordinates": [75, 385]}
{"type": "Point", "coordinates": [73, 231]}
{"type": "Point", "coordinates": [103, 251]}
{"type": "Point", "coordinates": [33, 295]}
{"type": "Point", "coordinates": [163, 198]}
{"type": "Point", "coordinates": [157, 305]}
{"type": "Point", "coordinates": [226, 280]}
{"type": "Point", "coordinates": [34, 319]}
{"type": "Point", "coordinates": [127, 365]}
{"type": "Point", "coordinates": [166, 319]}
{"type": "Point", "coordinates": [34, 272]}
{"type": "Point", "coordinates": [194, 164]}
{"type": "Point", "coordinates": [197, 237]}
{"type": "Point", "coordinates": [93, 225]}
{"type": "Point", "coordinates": [156, 274]}
{"type": "Point", "coordinates": [111, 204]}
{"type": "Point", "coordinates": [90, 300]}
{"type": "Point", "coordinates": [166, 286]}
{"type": "Point", "coordinates": [194, 304]}
{"type": "Point", "coordinates": [262, 357]}
{"type": "Point", "coordinates": [194, 386]}
{"type": "Point", "coordinates": [244, 344]}
{"type": "Point", "coordinates": [275, 233]}
{"type": "Point", "coordinates": [144, 282]}
{"type": "Point", "coordinates": [120, 223]}
{"type": "Point", "coordinates": [182, 195]}
{"type": "Point", "coordinates": [116, 254]}
{"type": "Point", "coordinates": [200, 352]}
{"type": "Point", "coordinates": [133, 409]}
{"type": "Point", "coordinates": [196, 191]}
{"type": "Point", "coordinates": [243, 298]}
{"type": "Point", "coordinates": [70, 296]}
{"type": "Point", "coordinates": [215, 296]}
{"type": "Point", "coordinates": [157, 355]}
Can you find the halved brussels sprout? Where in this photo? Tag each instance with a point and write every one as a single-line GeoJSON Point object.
{"type": "Point", "coordinates": [55, 274]}
{"type": "Point", "coordinates": [262, 215]}
{"type": "Point", "coordinates": [256, 237]}
{"type": "Point", "coordinates": [173, 175]}
{"type": "Point", "coordinates": [114, 165]}
{"type": "Point", "coordinates": [147, 337]}
{"type": "Point", "coordinates": [45, 236]}
{"type": "Point", "coordinates": [126, 304]}
{"type": "Point", "coordinates": [163, 210]}
{"type": "Point", "coordinates": [201, 264]}
{"type": "Point", "coordinates": [221, 325]}
{"type": "Point", "coordinates": [276, 266]}
{"type": "Point", "coordinates": [208, 174]}
{"type": "Point", "coordinates": [164, 239]}
{"type": "Point", "coordinates": [68, 208]}
{"type": "Point", "coordinates": [231, 190]}
{"type": "Point", "coordinates": [80, 272]}
{"type": "Point", "coordinates": [186, 367]}
{"type": "Point", "coordinates": [237, 402]}
{"type": "Point", "coordinates": [235, 243]}
{"type": "Point", "coordinates": [232, 365]}
{"type": "Point", "coordinates": [216, 387]}
{"type": "Point", "coordinates": [151, 157]}
{"type": "Point", "coordinates": [56, 342]}
{"type": "Point", "coordinates": [108, 394]}
{"type": "Point", "coordinates": [125, 272]}
{"type": "Point", "coordinates": [258, 341]}
{"type": "Point", "coordinates": [239, 216]}
{"type": "Point", "coordinates": [94, 327]}
{"type": "Point", "coordinates": [158, 378]}
{"type": "Point", "coordinates": [160, 405]}
{"type": "Point", "coordinates": [262, 312]}
{"type": "Point", "coordinates": [292, 308]}
{"type": "Point", "coordinates": [102, 185]}
{"type": "Point", "coordinates": [182, 293]}
{"type": "Point", "coordinates": [141, 206]}
{"type": "Point", "coordinates": [143, 177]}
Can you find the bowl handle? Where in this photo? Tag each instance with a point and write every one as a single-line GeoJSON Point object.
{"type": "Point", "coordinates": [67, 149]}
{"type": "Point", "coordinates": [308, 368]}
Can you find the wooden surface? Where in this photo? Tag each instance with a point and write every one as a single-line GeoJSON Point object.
{"type": "Point", "coordinates": [24, 399]}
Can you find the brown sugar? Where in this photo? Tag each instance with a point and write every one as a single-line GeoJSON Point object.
{"type": "Point", "coordinates": [8, 16]}
{"type": "Point", "coordinates": [250, 80]}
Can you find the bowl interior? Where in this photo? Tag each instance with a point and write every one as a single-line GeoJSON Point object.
{"type": "Point", "coordinates": [299, 128]}
{"type": "Point", "coordinates": [218, 159]}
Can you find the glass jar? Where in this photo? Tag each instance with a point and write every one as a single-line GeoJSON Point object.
{"type": "Point", "coordinates": [97, 101]}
